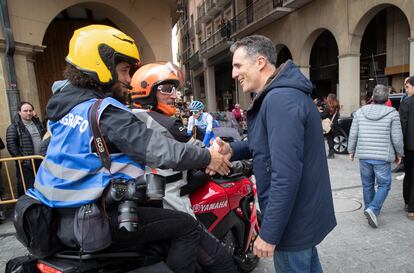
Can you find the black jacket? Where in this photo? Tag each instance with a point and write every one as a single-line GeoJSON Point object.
{"type": "Point", "coordinates": [327, 114]}
{"type": "Point", "coordinates": [18, 138]}
{"type": "Point", "coordinates": [407, 122]}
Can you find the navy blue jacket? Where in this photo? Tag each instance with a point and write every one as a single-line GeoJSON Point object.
{"type": "Point", "coordinates": [286, 142]}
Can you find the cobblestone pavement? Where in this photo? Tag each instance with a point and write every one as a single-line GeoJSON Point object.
{"type": "Point", "coordinates": [352, 247]}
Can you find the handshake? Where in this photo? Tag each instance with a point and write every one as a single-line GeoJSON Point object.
{"type": "Point", "coordinates": [220, 153]}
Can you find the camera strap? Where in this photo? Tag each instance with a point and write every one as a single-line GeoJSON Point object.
{"type": "Point", "coordinates": [98, 139]}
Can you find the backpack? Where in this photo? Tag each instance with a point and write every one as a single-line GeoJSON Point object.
{"type": "Point", "coordinates": [36, 226]}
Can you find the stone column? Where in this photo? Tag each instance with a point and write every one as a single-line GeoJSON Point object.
{"type": "Point", "coordinates": [243, 98]}
{"type": "Point", "coordinates": [210, 88]}
{"type": "Point", "coordinates": [4, 104]}
{"type": "Point", "coordinates": [305, 70]}
{"type": "Point", "coordinates": [411, 56]}
{"type": "Point", "coordinates": [349, 83]}
{"type": "Point", "coordinates": [26, 79]}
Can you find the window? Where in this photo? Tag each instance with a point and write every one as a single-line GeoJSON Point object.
{"type": "Point", "coordinates": [217, 23]}
{"type": "Point", "coordinates": [228, 13]}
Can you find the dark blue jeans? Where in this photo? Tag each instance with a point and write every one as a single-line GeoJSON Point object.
{"type": "Point", "coordinates": [301, 261]}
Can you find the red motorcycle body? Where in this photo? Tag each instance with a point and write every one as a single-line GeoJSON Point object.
{"type": "Point", "coordinates": [228, 205]}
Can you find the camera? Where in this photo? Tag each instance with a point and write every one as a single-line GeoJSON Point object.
{"type": "Point", "coordinates": [129, 193]}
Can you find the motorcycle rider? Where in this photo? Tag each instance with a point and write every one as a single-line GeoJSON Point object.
{"type": "Point", "coordinates": [202, 120]}
{"type": "Point", "coordinates": [153, 95]}
{"type": "Point", "coordinates": [99, 62]}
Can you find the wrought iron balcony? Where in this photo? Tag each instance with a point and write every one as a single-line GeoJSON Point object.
{"type": "Point", "coordinates": [217, 41]}
{"type": "Point", "coordinates": [258, 14]}
{"type": "Point", "coordinates": [183, 26]}
{"type": "Point", "coordinates": [195, 60]}
{"type": "Point", "coordinates": [185, 56]}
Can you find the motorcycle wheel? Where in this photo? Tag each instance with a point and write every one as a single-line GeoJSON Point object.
{"type": "Point", "coordinates": [246, 261]}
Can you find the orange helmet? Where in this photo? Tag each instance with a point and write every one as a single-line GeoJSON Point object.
{"type": "Point", "coordinates": [146, 80]}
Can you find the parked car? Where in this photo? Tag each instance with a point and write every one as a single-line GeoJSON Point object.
{"type": "Point", "coordinates": [341, 133]}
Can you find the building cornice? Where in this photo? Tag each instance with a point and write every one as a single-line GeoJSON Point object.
{"type": "Point", "coordinates": [23, 48]}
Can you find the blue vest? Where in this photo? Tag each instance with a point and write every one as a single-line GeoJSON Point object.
{"type": "Point", "coordinates": [72, 175]}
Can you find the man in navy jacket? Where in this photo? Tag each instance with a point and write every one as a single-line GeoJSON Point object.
{"type": "Point", "coordinates": [286, 142]}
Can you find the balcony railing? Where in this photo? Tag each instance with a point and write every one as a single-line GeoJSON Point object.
{"type": "Point", "coordinates": [221, 35]}
{"type": "Point", "coordinates": [185, 56]}
{"type": "Point", "coordinates": [194, 60]}
{"type": "Point", "coordinates": [183, 26]}
{"type": "Point", "coordinates": [255, 12]}
{"type": "Point", "coordinates": [247, 21]}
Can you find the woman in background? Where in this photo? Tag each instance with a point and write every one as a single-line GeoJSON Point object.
{"type": "Point", "coordinates": [331, 111]}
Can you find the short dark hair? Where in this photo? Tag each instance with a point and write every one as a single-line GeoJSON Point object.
{"type": "Point", "coordinates": [23, 103]}
{"type": "Point", "coordinates": [410, 80]}
{"type": "Point", "coordinates": [80, 79]}
{"type": "Point", "coordinates": [380, 94]}
{"type": "Point", "coordinates": [257, 45]}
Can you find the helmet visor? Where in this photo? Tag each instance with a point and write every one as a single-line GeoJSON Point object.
{"type": "Point", "coordinates": [166, 89]}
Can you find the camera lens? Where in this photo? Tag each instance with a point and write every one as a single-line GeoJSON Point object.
{"type": "Point", "coordinates": [128, 216]}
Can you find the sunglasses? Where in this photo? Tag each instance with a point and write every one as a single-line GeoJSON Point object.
{"type": "Point", "coordinates": [195, 112]}
{"type": "Point", "coordinates": [166, 89]}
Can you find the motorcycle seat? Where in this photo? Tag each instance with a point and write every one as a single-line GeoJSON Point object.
{"type": "Point", "coordinates": [232, 178]}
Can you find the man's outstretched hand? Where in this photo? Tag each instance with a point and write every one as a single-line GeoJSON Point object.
{"type": "Point", "coordinates": [218, 163]}
{"type": "Point", "coordinates": [223, 148]}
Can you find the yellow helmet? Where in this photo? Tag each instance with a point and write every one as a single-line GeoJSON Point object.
{"type": "Point", "coordinates": [96, 49]}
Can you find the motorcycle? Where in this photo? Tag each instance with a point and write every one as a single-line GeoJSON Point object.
{"type": "Point", "coordinates": [224, 205]}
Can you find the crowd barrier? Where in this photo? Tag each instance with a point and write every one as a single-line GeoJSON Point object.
{"type": "Point", "coordinates": [7, 162]}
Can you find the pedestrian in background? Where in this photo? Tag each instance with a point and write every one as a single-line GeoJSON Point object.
{"type": "Point", "coordinates": [407, 123]}
{"type": "Point", "coordinates": [376, 139]}
{"type": "Point", "coordinates": [237, 112]}
{"type": "Point", "coordinates": [24, 137]}
{"type": "Point", "coordinates": [400, 167]}
{"type": "Point", "coordinates": [290, 165]}
{"type": "Point", "coordinates": [331, 111]}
